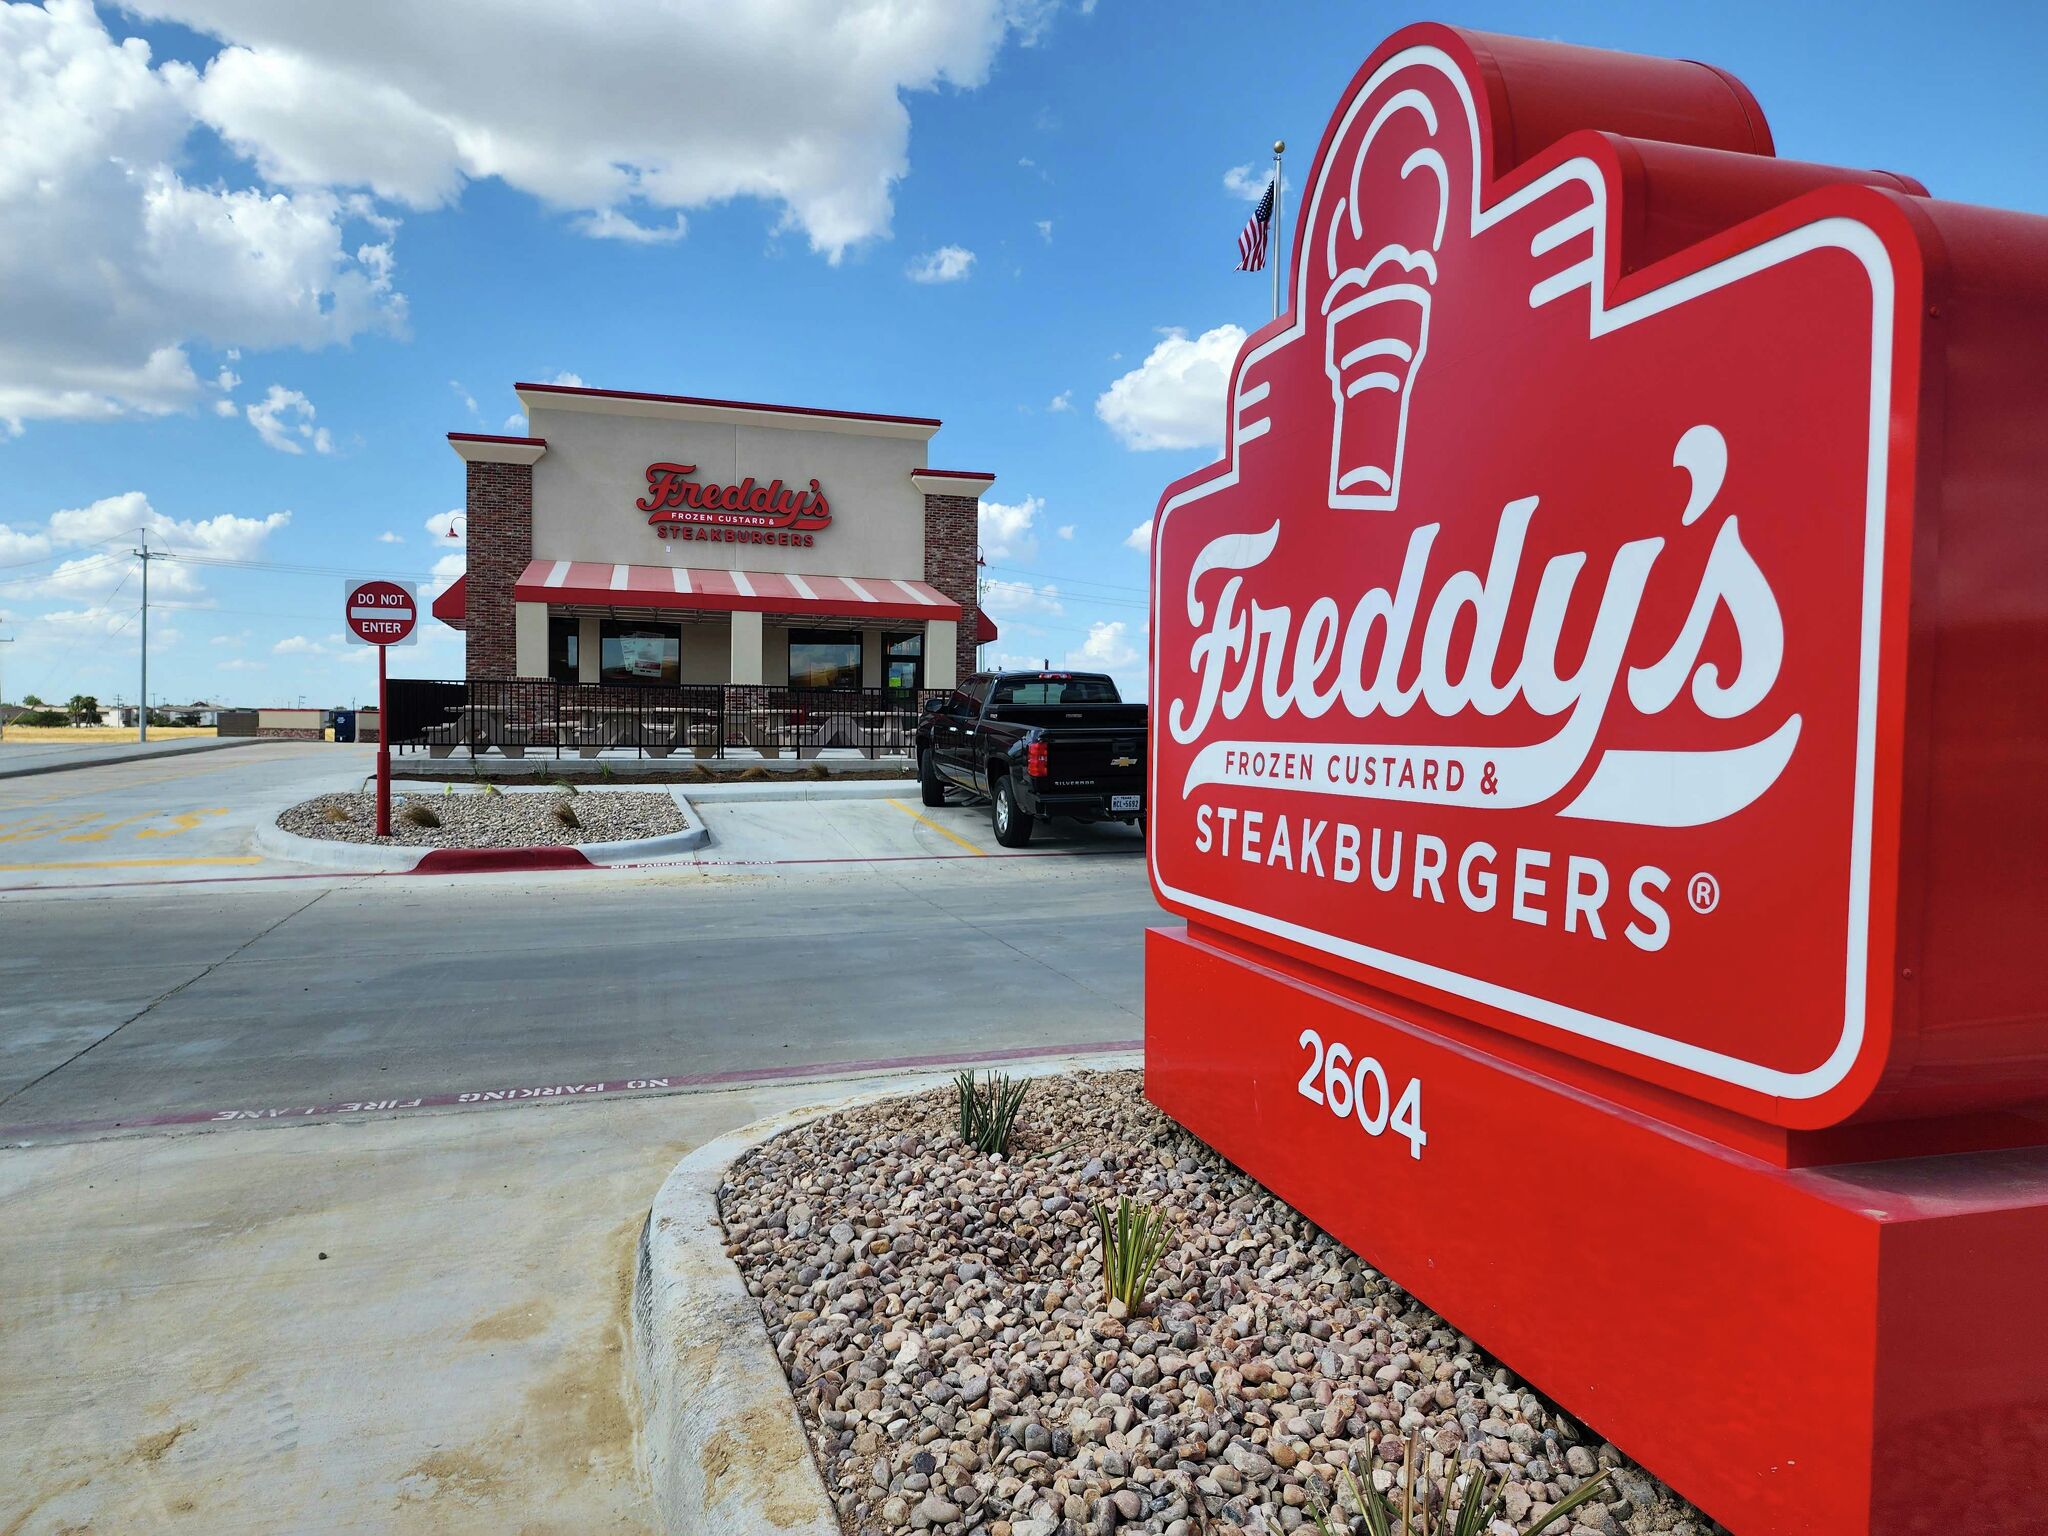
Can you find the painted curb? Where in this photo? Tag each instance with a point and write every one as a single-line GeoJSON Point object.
{"type": "Point", "coordinates": [374, 858]}
{"type": "Point", "coordinates": [720, 1440]}
{"type": "Point", "coordinates": [140, 755]}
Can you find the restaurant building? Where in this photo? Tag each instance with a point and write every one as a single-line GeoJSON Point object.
{"type": "Point", "coordinates": [640, 539]}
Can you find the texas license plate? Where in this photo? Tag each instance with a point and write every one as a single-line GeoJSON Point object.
{"type": "Point", "coordinates": [1125, 802]}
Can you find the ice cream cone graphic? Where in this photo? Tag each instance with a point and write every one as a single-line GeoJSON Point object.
{"type": "Point", "coordinates": [1375, 310]}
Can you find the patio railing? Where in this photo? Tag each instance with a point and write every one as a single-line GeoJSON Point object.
{"type": "Point", "coordinates": [514, 716]}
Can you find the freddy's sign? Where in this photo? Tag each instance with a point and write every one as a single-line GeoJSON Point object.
{"type": "Point", "coordinates": [679, 507]}
{"type": "Point", "coordinates": [1526, 653]}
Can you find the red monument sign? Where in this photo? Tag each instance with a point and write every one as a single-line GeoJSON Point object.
{"type": "Point", "coordinates": [1592, 736]}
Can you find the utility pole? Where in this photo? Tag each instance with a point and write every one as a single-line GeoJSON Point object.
{"type": "Point", "coordinates": [4, 640]}
{"type": "Point", "coordinates": [142, 715]}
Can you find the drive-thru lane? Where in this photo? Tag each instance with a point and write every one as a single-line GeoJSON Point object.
{"type": "Point", "coordinates": [807, 934]}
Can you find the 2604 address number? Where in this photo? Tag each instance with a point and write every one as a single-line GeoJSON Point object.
{"type": "Point", "coordinates": [1359, 1090]}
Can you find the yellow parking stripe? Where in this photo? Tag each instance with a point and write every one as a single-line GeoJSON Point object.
{"type": "Point", "coordinates": [942, 831]}
{"type": "Point", "coordinates": [138, 863]}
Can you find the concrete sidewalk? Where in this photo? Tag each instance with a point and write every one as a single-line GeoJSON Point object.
{"type": "Point", "coordinates": [402, 1325]}
{"type": "Point", "coordinates": [20, 758]}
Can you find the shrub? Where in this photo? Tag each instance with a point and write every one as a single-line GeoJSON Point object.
{"type": "Point", "coordinates": [606, 772]}
{"type": "Point", "coordinates": [1134, 1239]}
{"type": "Point", "coordinates": [566, 787]}
{"type": "Point", "coordinates": [335, 813]}
{"type": "Point", "coordinates": [420, 814]}
{"type": "Point", "coordinates": [42, 717]}
{"type": "Point", "coordinates": [988, 1109]}
{"type": "Point", "coordinates": [1412, 1512]}
{"type": "Point", "coordinates": [565, 813]}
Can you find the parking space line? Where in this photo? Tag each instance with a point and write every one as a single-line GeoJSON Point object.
{"type": "Point", "coordinates": [942, 831]}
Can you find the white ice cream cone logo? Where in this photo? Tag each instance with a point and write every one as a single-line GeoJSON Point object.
{"type": "Point", "coordinates": [1376, 313]}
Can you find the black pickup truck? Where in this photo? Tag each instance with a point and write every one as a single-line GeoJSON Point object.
{"type": "Point", "coordinates": [1036, 744]}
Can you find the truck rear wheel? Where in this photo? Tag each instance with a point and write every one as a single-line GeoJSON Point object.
{"type": "Point", "coordinates": [930, 790]}
{"type": "Point", "coordinates": [1013, 827]}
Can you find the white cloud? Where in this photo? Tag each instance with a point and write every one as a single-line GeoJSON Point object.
{"type": "Point", "coordinates": [303, 645]}
{"type": "Point", "coordinates": [1005, 530]}
{"type": "Point", "coordinates": [1247, 181]}
{"type": "Point", "coordinates": [567, 380]}
{"type": "Point", "coordinates": [1045, 230]}
{"type": "Point", "coordinates": [114, 519]}
{"type": "Point", "coordinates": [1109, 647]}
{"type": "Point", "coordinates": [234, 639]}
{"type": "Point", "coordinates": [948, 264]}
{"type": "Point", "coordinates": [19, 546]}
{"type": "Point", "coordinates": [1063, 401]}
{"type": "Point", "coordinates": [388, 537]}
{"type": "Point", "coordinates": [468, 400]}
{"type": "Point", "coordinates": [515, 424]}
{"type": "Point", "coordinates": [268, 418]}
{"type": "Point", "coordinates": [240, 664]}
{"type": "Point", "coordinates": [1066, 530]}
{"type": "Point", "coordinates": [226, 408]}
{"type": "Point", "coordinates": [1174, 399]}
{"type": "Point", "coordinates": [598, 121]}
{"type": "Point", "coordinates": [1019, 599]}
{"type": "Point", "coordinates": [1140, 537]}
{"type": "Point", "coordinates": [111, 264]}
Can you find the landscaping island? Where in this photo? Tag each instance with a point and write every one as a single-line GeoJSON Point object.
{"type": "Point", "coordinates": [485, 819]}
{"type": "Point", "coordinates": [941, 1317]}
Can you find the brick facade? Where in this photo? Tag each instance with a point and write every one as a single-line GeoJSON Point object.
{"type": "Point", "coordinates": [500, 508]}
{"type": "Point", "coordinates": [952, 542]}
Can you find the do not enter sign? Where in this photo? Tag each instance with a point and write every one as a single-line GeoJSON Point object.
{"type": "Point", "coordinates": [381, 612]}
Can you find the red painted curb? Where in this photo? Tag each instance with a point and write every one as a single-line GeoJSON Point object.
{"type": "Point", "coordinates": [454, 861]}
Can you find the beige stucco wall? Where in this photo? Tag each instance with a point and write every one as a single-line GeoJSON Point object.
{"type": "Point", "coordinates": [595, 468]}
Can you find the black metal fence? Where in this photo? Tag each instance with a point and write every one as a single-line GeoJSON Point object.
{"type": "Point", "coordinates": [514, 716]}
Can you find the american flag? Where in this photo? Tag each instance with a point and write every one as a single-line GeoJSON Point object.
{"type": "Point", "coordinates": [1251, 245]}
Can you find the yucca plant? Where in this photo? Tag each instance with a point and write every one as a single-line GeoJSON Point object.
{"type": "Point", "coordinates": [988, 1109]}
{"type": "Point", "coordinates": [1409, 1515]}
{"type": "Point", "coordinates": [420, 814]}
{"type": "Point", "coordinates": [1134, 1239]}
{"type": "Point", "coordinates": [565, 813]}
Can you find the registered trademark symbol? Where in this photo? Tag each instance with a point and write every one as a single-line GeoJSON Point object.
{"type": "Point", "coordinates": [1703, 891]}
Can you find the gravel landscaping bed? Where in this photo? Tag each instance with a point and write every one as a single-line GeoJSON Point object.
{"type": "Point", "coordinates": [940, 1314]}
{"type": "Point", "coordinates": [475, 820]}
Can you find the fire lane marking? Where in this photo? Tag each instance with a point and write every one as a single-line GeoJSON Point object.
{"type": "Point", "coordinates": [946, 832]}
{"type": "Point", "coordinates": [555, 1092]}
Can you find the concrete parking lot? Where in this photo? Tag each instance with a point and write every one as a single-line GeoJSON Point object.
{"type": "Point", "coordinates": [216, 1066]}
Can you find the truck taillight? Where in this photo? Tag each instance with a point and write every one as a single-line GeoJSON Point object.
{"type": "Point", "coordinates": [1034, 760]}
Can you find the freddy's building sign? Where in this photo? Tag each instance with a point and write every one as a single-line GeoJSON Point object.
{"type": "Point", "coordinates": [679, 507]}
{"type": "Point", "coordinates": [1594, 719]}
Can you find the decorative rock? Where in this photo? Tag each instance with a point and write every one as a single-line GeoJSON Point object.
{"type": "Point", "coordinates": [961, 1375]}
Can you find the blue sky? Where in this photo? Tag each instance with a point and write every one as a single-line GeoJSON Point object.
{"type": "Point", "coordinates": [250, 278]}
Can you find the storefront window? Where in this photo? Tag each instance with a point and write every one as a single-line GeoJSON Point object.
{"type": "Point", "coordinates": [645, 654]}
{"type": "Point", "coordinates": [824, 658]}
{"type": "Point", "coordinates": [903, 661]}
{"type": "Point", "coordinates": [562, 650]}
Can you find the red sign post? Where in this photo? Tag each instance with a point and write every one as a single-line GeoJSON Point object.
{"type": "Point", "coordinates": [383, 614]}
{"type": "Point", "coordinates": [1589, 742]}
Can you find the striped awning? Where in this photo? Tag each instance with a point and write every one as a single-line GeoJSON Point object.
{"type": "Point", "coordinates": [590, 584]}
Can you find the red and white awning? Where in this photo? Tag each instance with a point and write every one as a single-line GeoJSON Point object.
{"type": "Point", "coordinates": [586, 583]}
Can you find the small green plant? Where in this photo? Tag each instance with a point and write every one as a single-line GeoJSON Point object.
{"type": "Point", "coordinates": [565, 813]}
{"type": "Point", "coordinates": [1134, 1239]}
{"type": "Point", "coordinates": [420, 814]}
{"type": "Point", "coordinates": [490, 788]}
{"type": "Point", "coordinates": [606, 772]}
{"type": "Point", "coordinates": [1410, 1514]}
{"type": "Point", "coordinates": [566, 787]}
{"type": "Point", "coordinates": [988, 1109]}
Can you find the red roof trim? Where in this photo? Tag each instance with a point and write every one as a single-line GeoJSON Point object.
{"type": "Point", "coordinates": [487, 437]}
{"type": "Point", "coordinates": [733, 405]}
{"type": "Point", "coordinates": [452, 606]}
{"type": "Point", "coordinates": [955, 474]}
{"type": "Point", "coordinates": [985, 632]}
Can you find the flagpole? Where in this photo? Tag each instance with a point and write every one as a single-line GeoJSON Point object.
{"type": "Point", "coordinates": [1276, 256]}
